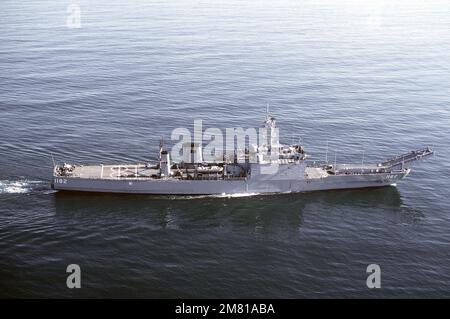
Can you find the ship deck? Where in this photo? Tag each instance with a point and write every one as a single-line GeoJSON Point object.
{"type": "Point", "coordinates": [114, 171]}
{"type": "Point", "coordinates": [315, 172]}
{"type": "Point", "coordinates": [143, 171]}
{"type": "Point", "coordinates": [134, 172]}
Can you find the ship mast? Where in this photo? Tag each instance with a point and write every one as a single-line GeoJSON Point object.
{"type": "Point", "coordinates": [161, 146]}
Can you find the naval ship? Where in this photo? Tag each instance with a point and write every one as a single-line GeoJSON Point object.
{"type": "Point", "coordinates": [267, 168]}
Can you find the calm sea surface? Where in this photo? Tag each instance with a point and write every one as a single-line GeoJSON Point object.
{"type": "Point", "coordinates": [366, 77]}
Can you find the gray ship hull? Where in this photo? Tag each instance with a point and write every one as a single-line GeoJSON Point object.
{"type": "Point", "coordinates": [225, 187]}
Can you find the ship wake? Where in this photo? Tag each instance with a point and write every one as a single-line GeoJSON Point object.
{"type": "Point", "coordinates": [22, 186]}
{"type": "Point", "coordinates": [184, 197]}
{"type": "Point", "coordinates": [236, 195]}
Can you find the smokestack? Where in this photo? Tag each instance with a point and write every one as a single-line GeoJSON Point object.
{"type": "Point", "coordinates": [165, 163]}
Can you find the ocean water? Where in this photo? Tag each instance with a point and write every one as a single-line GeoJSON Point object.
{"type": "Point", "coordinates": [366, 77]}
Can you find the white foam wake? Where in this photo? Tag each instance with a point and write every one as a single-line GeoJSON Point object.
{"type": "Point", "coordinates": [237, 195]}
{"type": "Point", "coordinates": [184, 197]}
{"type": "Point", "coordinates": [17, 187]}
